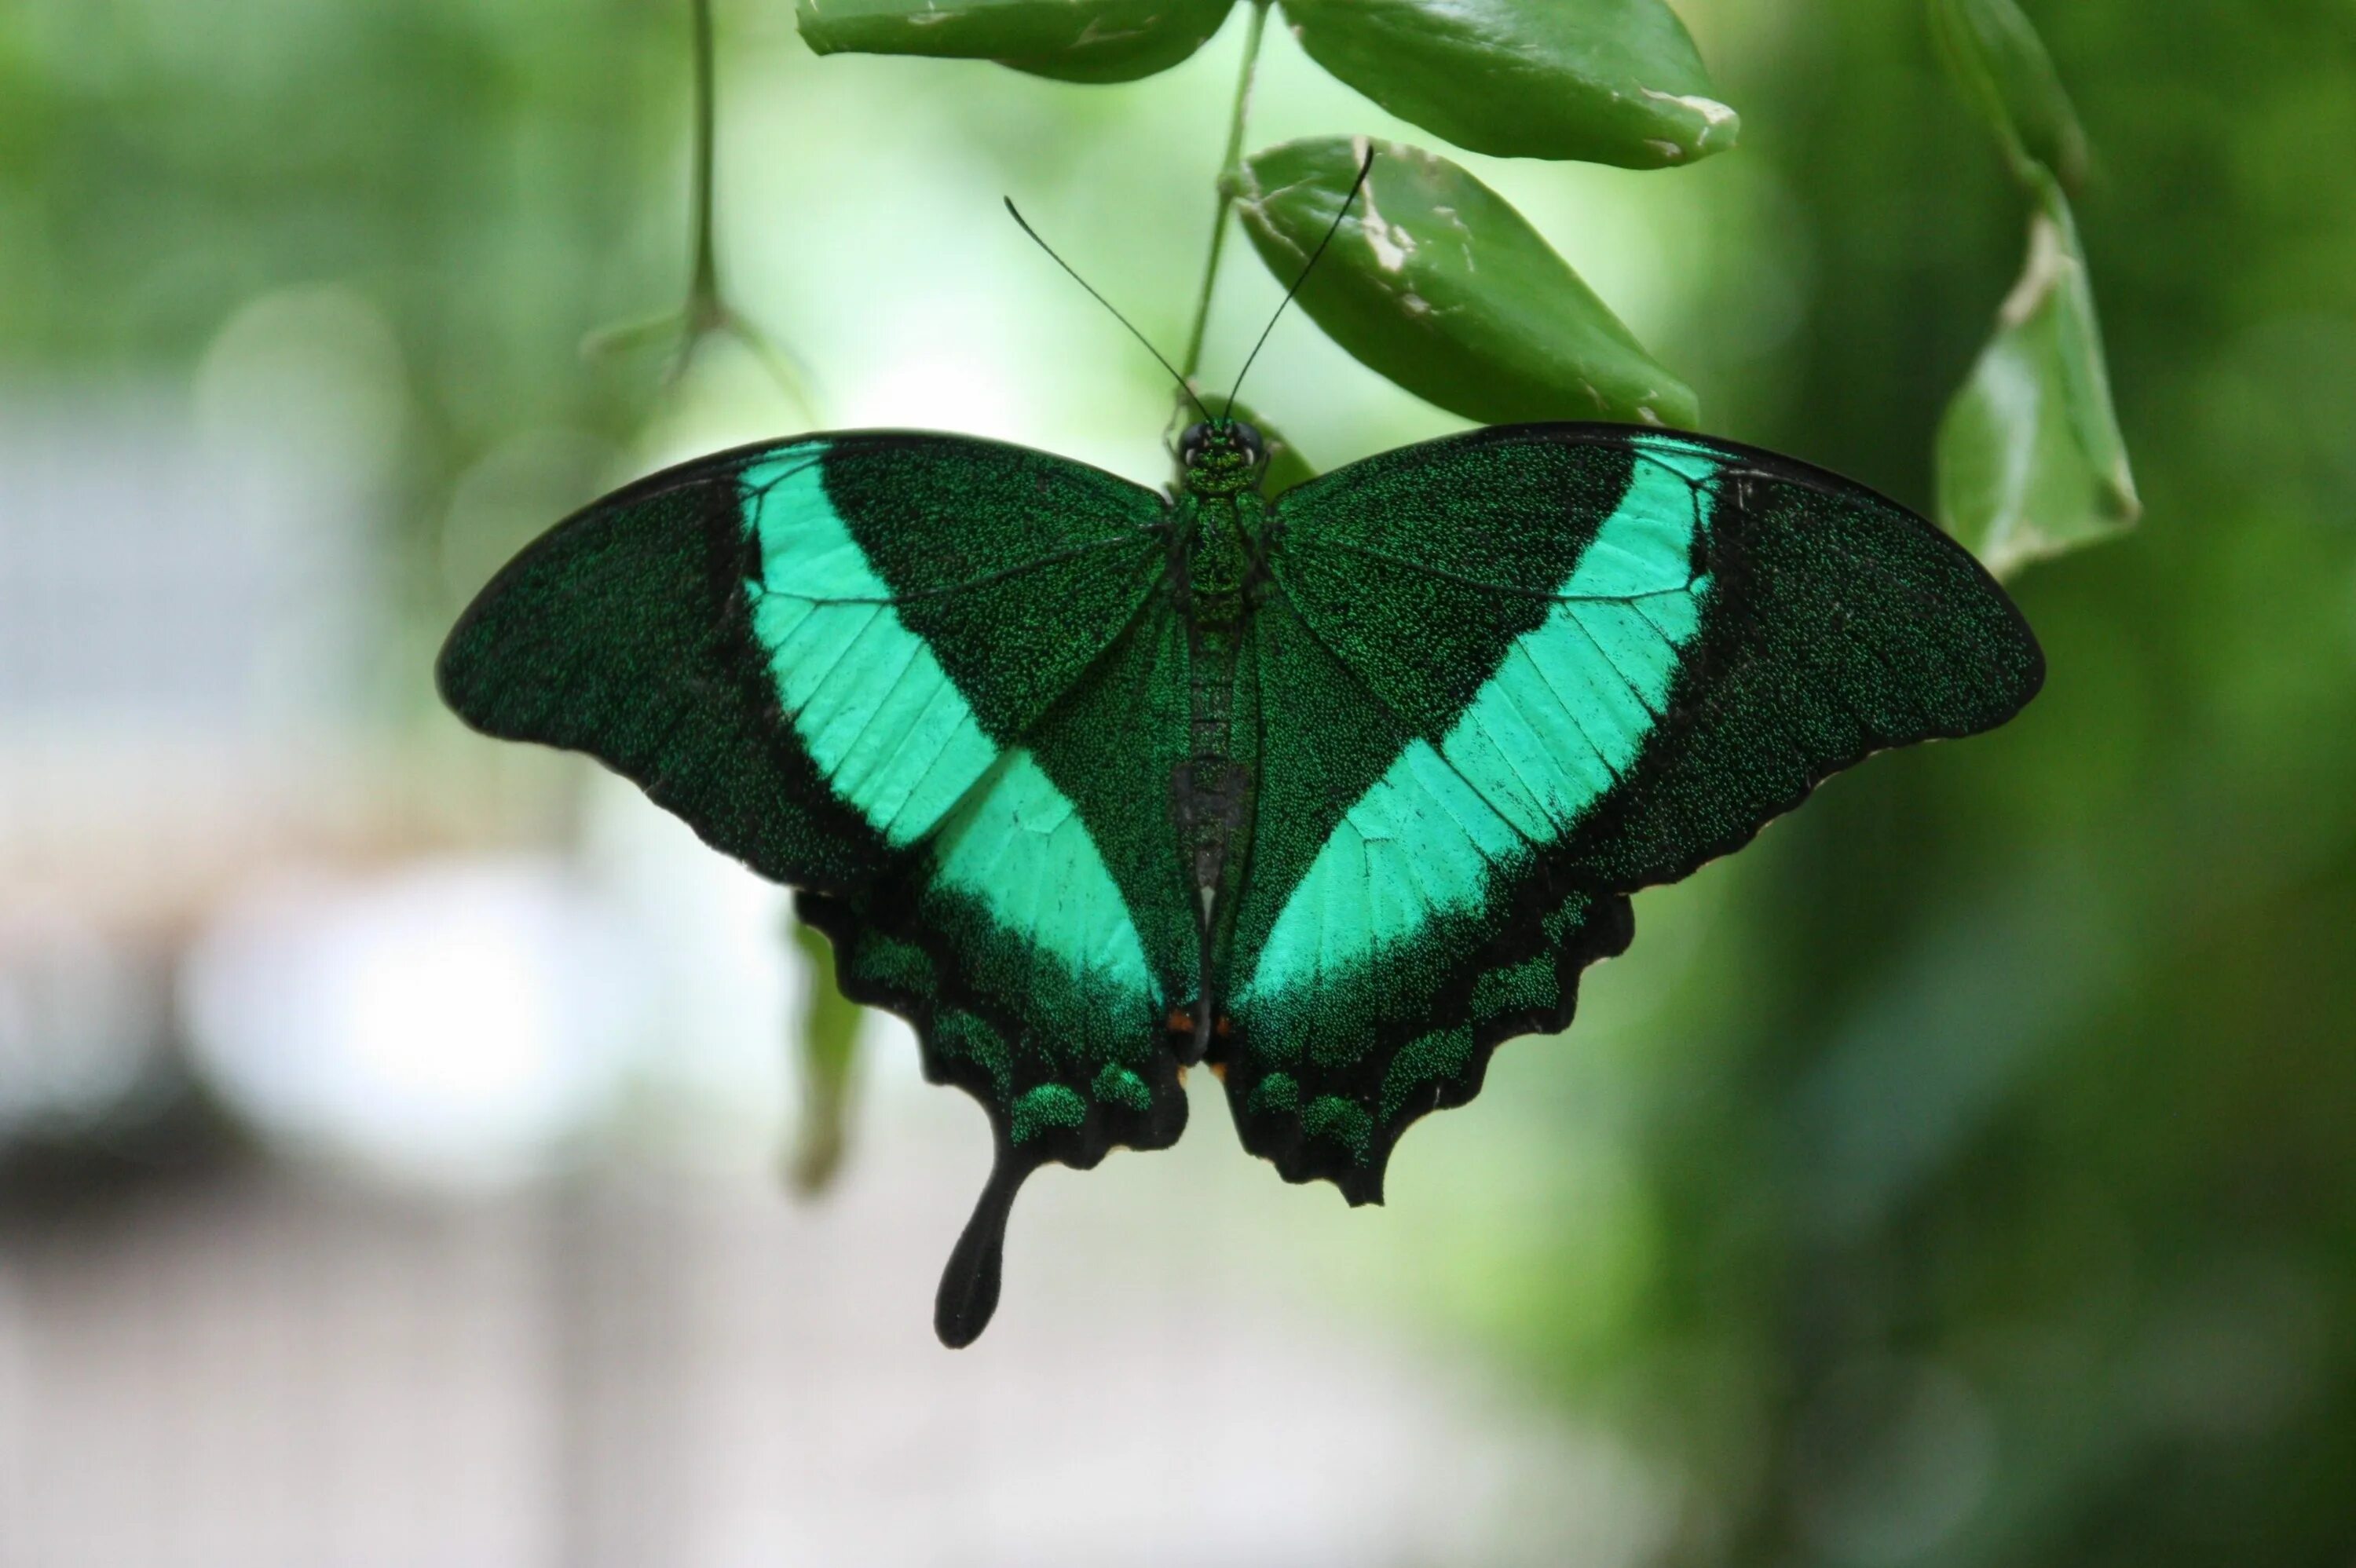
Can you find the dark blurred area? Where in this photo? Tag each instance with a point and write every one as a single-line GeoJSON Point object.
{"type": "Point", "coordinates": [1964, 1175]}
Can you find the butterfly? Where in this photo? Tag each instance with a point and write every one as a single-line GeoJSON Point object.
{"type": "Point", "coordinates": [1335, 790]}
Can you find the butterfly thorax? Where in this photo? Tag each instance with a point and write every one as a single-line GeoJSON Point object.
{"type": "Point", "coordinates": [1218, 540]}
{"type": "Point", "coordinates": [1219, 518]}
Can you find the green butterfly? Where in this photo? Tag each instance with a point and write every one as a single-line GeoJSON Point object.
{"type": "Point", "coordinates": [1335, 790]}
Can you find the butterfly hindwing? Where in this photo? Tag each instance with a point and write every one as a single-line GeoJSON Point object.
{"type": "Point", "coordinates": [875, 666]}
{"type": "Point", "coordinates": [1532, 669]}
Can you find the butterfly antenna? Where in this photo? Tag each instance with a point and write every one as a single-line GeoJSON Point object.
{"type": "Point", "coordinates": [1016, 214]}
{"type": "Point", "coordinates": [1365, 167]}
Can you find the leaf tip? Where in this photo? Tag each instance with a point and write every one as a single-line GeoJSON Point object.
{"type": "Point", "coordinates": [1717, 127]}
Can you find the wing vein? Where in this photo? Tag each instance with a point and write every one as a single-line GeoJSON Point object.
{"type": "Point", "coordinates": [1605, 654]}
{"type": "Point", "coordinates": [967, 586]}
{"type": "Point", "coordinates": [1298, 545]}
{"type": "Point", "coordinates": [1571, 711]}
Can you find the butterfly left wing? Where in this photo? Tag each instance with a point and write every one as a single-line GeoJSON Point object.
{"type": "Point", "coordinates": [919, 678]}
{"type": "Point", "coordinates": [1508, 679]}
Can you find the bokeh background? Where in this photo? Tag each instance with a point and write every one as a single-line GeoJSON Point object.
{"type": "Point", "coordinates": [391, 1122]}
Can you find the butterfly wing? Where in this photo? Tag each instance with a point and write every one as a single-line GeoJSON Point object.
{"type": "Point", "coordinates": [887, 668]}
{"type": "Point", "coordinates": [1509, 678]}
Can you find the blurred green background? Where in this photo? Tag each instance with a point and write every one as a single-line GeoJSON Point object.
{"type": "Point", "coordinates": [388, 1124]}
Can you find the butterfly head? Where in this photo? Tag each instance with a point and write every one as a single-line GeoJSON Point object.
{"type": "Point", "coordinates": [1222, 458]}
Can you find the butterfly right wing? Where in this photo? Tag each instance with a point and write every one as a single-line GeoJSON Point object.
{"type": "Point", "coordinates": [1512, 676]}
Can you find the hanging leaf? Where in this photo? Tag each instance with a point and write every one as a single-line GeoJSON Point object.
{"type": "Point", "coordinates": [829, 1046]}
{"type": "Point", "coordinates": [1434, 280]}
{"type": "Point", "coordinates": [1072, 40]}
{"type": "Point", "coordinates": [1996, 56]}
{"type": "Point", "coordinates": [1609, 81]}
{"type": "Point", "coordinates": [2030, 459]}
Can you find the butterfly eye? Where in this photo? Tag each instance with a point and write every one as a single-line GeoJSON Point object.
{"type": "Point", "coordinates": [1190, 444]}
{"type": "Point", "coordinates": [1248, 438]}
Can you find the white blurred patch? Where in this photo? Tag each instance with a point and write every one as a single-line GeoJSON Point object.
{"type": "Point", "coordinates": [933, 391]}
{"type": "Point", "coordinates": [315, 371]}
{"type": "Point", "coordinates": [454, 1020]}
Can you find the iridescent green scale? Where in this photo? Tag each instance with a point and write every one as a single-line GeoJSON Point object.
{"type": "Point", "coordinates": [1337, 790]}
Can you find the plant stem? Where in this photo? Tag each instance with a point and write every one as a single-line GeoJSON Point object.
{"type": "Point", "coordinates": [1227, 168]}
{"type": "Point", "coordinates": [703, 279]}
{"type": "Point", "coordinates": [707, 311]}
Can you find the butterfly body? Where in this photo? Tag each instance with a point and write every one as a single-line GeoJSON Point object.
{"type": "Point", "coordinates": [1218, 525]}
{"type": "Point", "coordinates": [1336, 790]}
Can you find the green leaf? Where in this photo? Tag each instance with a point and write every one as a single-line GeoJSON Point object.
{"type": "Point", "coordinates": [829, 1046]}
{"type": "Point", "coordinates": [1996, 56]}
{"type": "Point", "coordinates": [2030, 459]}
{"type": "Point", "coordinates": [1609, 81]}
{"type": "Point", "coordinates": [1436, 282]}
{"type": "Point", "coordinates": [1072, 40]}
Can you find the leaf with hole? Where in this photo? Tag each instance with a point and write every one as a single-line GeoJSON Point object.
{"type": "Point", "coordinates": [1435, 280]}
{"type": "Point", "coordinates": [1609, 82]}
{"type": "Point", "coordinates": [2030, 459]}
